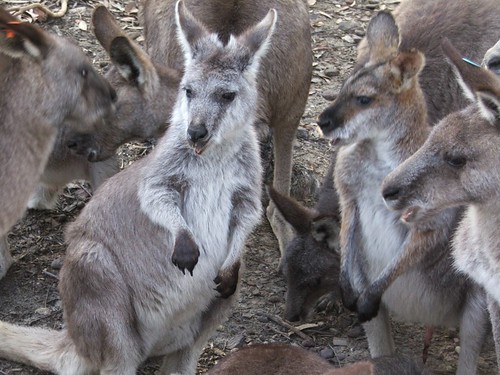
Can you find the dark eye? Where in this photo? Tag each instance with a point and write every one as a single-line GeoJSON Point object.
{"type": "Point", "coordinates": [84, 72]}
{"type": "Point", "coordinates": [363, 100]}
{"type": "Point", "coordinates": [455, 161]}
{"type": "Point", "coordinates": [228, 96]}
{"type": "Point", "coordinates": [189, 92]}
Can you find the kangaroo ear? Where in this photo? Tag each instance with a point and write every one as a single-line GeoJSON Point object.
{"type": "Point", "coordinates": [405, 68]}
{"type": "Point", "coordinates": [19, 39]}
{"type": "Point", "coordinates": [382, 36]}
{"type": "Point", "coordinates": [189, 30]}
{"type": "Point", "coordinates": [105, 27]}
{"type": "Point", "coordinates": [257, 38]}
{"type": "Point", "coordinates": [326, 228]}
{"type": "Point", "coordinates": [490, 106]}
{"type": "Point", "coordinates": [298, 216]}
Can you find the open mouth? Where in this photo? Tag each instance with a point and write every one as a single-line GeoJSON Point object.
{"type": "Point", "coordinates": [200, 146]}
{"type": "Point", "coordinates": [409, 215]}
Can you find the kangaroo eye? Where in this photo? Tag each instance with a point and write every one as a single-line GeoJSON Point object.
{"type": "Point", "coordinates": [455, 161]}
{"type": "Point", "coordinates": [229, 96]}
{"type": "Point", "coordinates": [189, 92]}
{"type": "Point", "coordinates": [363, 100]}
{"type": "Point", "coordinates": [84, 72]}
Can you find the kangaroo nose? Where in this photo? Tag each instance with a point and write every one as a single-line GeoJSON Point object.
{"type": "Point", "coordinates": [197, 133]}
{"type": "Point", "coordinates": [391, 193]}
{"type": "Point", "coordinates": [324, 122]}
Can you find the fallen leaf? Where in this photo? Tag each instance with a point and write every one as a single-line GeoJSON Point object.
{"type": "Point", "coordinates": [311, 2]}
{"type": "Point", "coordinates": [82, 25]}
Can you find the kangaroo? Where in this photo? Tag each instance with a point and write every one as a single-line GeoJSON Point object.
{"type": "Point", "coordinates": [311, 262]}
{"type": "Point", "coordinates": [282, 359]}
{"type": "Point", "coordinates": [380, 118]}
{"type": "Point", "coordinates": [146, 91]}
{"type": "Point", "coordinates": [458, 165]}
{"type": "Point", "coordinates": [146, 80]}
{"type": "Point", "coordinates": [47, 84]}
{"type": "Point", "coordinates": [196, 195]}
{"type": "Point", "coordinates": [491, 59]}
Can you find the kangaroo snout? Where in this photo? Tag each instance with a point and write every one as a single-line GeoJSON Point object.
{"type": "Point", "coordinates": [197, 132]}
{"type": "Point", "coordinates": [391, 192]}
{"type": "Point", "coordinates": [82, 145]}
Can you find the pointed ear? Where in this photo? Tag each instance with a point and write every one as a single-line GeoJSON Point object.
{"type": "Point", "coordinates": [490, 106]}
{"type": "Point", "coordinates": [19, 39]}
{"type": "Point", "coordinates": [132, 63]}
{"type": "Point", "coordinates": [105, 27]}
{"type": "Point", "coordinates": [257, 38]}
{"type": "Point", "coordinates": [405, 68]}
{"type": "Point", "coordinates": [382, 36]}
{"type": "Point", "coordinates": [298, 216]}
{"type": "Point", "coordinates": [326, 228]}
{"type": "Point", "coordinates": [189, 30]}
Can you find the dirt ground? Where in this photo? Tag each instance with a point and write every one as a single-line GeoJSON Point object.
{"type": "Point", "coordinates": [28, 294]}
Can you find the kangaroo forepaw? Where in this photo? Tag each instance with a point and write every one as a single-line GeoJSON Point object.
{"type": "Point", "coordinates": [367, 306]}
{"type": "Point", "coordinates": [186, 252]}
{"type": "Point", "coordinates": [349, 295]}
{"type": "Point", "coordinates": [227, 281]}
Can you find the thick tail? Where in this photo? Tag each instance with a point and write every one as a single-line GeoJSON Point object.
{"type": "Point", "coordinates": [46, 349]}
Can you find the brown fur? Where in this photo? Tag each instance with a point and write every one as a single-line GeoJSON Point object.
{"type": "Point", "coordinates": [55, 88]}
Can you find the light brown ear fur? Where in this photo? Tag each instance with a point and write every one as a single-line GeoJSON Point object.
{"type": "Point", "coordinates": [383, 37]}
{"type": "Point", "coordinates": [405, 67]}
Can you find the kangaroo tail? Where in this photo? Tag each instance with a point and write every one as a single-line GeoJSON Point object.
{"type": "Point", "coordinates": [45, 349]}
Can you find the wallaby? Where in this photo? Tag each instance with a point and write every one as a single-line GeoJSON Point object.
{"type": "Point", "coordinates": [47, 84]}
{"type": "Point", "coordinates": [282, 359]}
{"type": "Point", "coordinates": [380, 118]}
{"type": "Point", "coordinates": [146, 83]}
{"type": "Point", "coordinates": [192, 201]}
{"type": "Point", "coordinates": [459, 165]}
{"type": "Point", "coordinates": [491, 59]}
{"type": "Point", "coordinates": [146, 91]}
{"type": "Point", "coordinates": [311, 262]}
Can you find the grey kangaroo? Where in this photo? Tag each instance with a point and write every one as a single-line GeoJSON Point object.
{"type": "Point", "coordinates": [196, 195]}
{"type": "Point", "coordinates": [281, 359]}
{"type": "Point", "coordinates": [311, 262]}
{"type": "Point", "coordinates": [146, 82]}
{"type": "Point", "coordinates": [380, 118]}
{"type": "Point", "coordinates": [47, 84]}
{"type": "Point", "coordinates": [459, 165]}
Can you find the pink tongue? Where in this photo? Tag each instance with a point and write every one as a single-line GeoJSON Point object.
{"type": "Point", "coordinates": [198, 150]}
{"type": "Point", "coordinates": [408, 214]}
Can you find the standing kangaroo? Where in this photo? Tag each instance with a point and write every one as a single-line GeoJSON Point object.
{"type": "Point", "coordinates": [311, 262]}
{"type": "Point", "coordinates": [459, 165]}
{"type": "Point", "coordinates": [197, 194]}
{"type": "Point", "coordinates": [380, 117]}
{"type": "Point", "coordinates": [47, 84]}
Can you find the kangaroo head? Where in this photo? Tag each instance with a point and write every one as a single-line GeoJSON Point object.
{"type": "Point", "coordinates": [459, 163]}
{"type": "Point", "coordinates": [145, 92]}
{"type": "Point", "coordinates": [386, 84]}
{"type": "Point", "coordinates": [311, 261]}
{"type": "Point", "coordinates": [218, 95]}
{"type": "Point", "coordinates": [72, 92]}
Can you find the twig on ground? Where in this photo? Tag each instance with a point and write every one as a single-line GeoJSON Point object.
{"type": "Point", "coordinates": [60, 13]}
{"type": "Point", "coordinates": [288, 326]}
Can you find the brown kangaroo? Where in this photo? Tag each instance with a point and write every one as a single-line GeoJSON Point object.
{"type": "Point", "coordinates": [459, 165]}
{"type": "Point", "coordinates": [47, 85]}
{"type": "Point", "coordinates": [282, 359]}
{"type": "Point", "coordinates": [146, 82]}
{"type": "Point", "coordinates": [191, 202]}
{"type": "Point", "coordinates": [380, 117]}
{"type": "Point", "coordinates": [311, 262]}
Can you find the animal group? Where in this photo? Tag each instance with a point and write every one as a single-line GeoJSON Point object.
{"type": "Point", "coordinates": [405, 227]}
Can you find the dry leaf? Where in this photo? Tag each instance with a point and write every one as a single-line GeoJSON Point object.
{"type": "Point", "coordinates": [307, 326]}
{"type": "Point", "coordinates": [82, 25]}
{"type": "Point", "coordinates": [311, 2]}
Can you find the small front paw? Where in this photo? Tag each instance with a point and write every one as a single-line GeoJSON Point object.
{"type": "Point", "coordinates": [348, 294]}
{"type": "Point", "coordinates": [227, 281]}
{"type": "Point", "coordinates": [368, 306]}
{"type": "Point", "coordinates": [186, 252]}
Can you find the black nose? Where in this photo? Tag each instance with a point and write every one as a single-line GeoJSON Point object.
{"type": "Point", "coordinates": [92, 155]}
{"type": "Point", "coordinates": [324, 122]}
{"type": "Point", "coordinates": [391, 193]}
{"type": "Point", "coordinates": [197, 133]}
